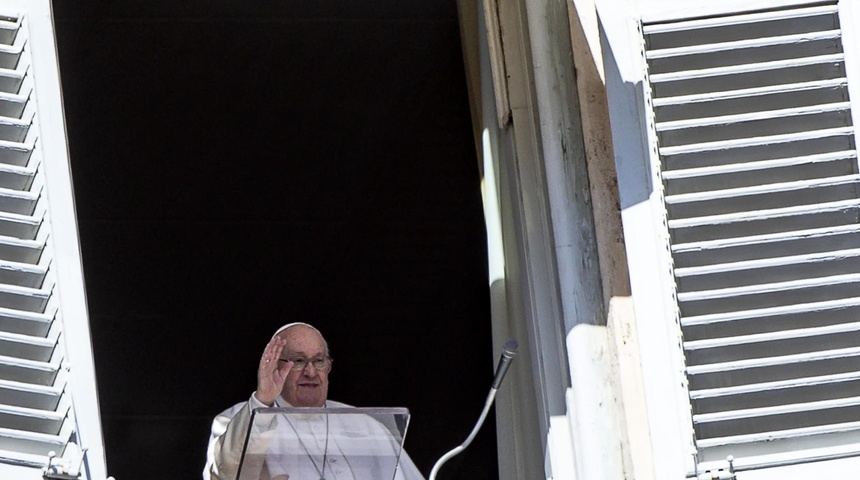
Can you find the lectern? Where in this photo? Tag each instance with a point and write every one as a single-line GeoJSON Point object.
{"type": "Point", "coordinates": [324, 443]}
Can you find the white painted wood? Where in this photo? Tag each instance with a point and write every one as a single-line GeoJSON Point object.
{"type": "Point", "coordinates": [767, 262]}
{"type": "Point", "coordinates": [770, 386]}
{"type": "Point", "coordinates": [762, 189]}
{"type": "Point", "coordinates": [681, 174]}
{"type": "Point", "coordinates": [525, 290]}
{"type": "Point", "coordinates": [776, 410]}
{"type": "Point", "coordinates": [592, 414]}
{"type": "Point", "coordinates": [765, 239]}
{"type": "Point", "coordinates": [780, 434]}
{"type": "Point", "coordinates": [745, 126]}
{"type": "Point", "coordinates": [832, 466]}
{"type": "Point", "coordinates": [782, 360]}
{"type": "Point", "coordinates": [850, 15]}
{"type": "Point", "coordinates": [699, 320]}
{"type": "Point", "coordinates": [32, 444]}
{"type": "Point", "coordinates": [751, 116]}
{"type": "Point", "coordinates": [757, 289]}
{"type": "Point", "coordinates": [47, 385]}
{"type": "Point", "coordinates": [750, 92]}
{"type": "Point", "coordinates": [744, 68]}
{"type": "Point", "coordinates": [681, 10]}
{"type": "Point", "coordinates": [771, 336]}
{"type": "Point", "coordinates": [756, 141]}
{"type": "Point", "coordinates": [560, 462]}
{"type": "Point", "coordinates": [739, 44]}
{"type": "Point", "coordinates": [764, 214]}
{"type": "Point", "coordinates": [668, 412]}
{"type": "Point", "coordinates": [738, 19]}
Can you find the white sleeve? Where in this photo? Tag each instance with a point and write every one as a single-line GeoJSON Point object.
{"type": "Point", "coordinates": [227, 440]}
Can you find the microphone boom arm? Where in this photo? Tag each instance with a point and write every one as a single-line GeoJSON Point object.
{"type": "Point", "coordinates": [510, 350]}
{"type": "Point", "coordinates": [455, 451]}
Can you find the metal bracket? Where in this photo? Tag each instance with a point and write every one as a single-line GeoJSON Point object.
{"type": "Point", "coordinates": [67, 467]}
{"type": "Point", "coordinates": [721, 473]}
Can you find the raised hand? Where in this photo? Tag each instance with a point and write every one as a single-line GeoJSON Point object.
{"type": "Point", "coordinates": [272, 374]}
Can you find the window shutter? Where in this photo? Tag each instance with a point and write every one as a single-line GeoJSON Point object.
{"type": "Point", "coordinates": [47, 401]}
{"type": "Point", "coordinates": [758, 163]}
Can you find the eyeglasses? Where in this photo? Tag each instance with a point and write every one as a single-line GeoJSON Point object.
{"type": "Point", "coordinates": [321, 363]}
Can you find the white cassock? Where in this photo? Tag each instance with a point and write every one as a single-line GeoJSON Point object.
{"type": "Point", "coordinates": [334, 447]}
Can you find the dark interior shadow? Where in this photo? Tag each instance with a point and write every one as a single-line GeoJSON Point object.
{"type": "Point", "coordinates": [239, 167]}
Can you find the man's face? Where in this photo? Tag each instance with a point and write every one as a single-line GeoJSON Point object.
{"type": "Point", "coordinates": [307, 387]}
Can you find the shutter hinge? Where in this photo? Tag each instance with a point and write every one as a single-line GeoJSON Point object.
{"type": "Point", "coordinates": [727, 473]}
{"type": "Point", "coordinates": [67, 467]}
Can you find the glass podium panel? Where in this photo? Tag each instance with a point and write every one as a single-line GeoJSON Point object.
{"type": "Point", "coordinates": [324, 443]}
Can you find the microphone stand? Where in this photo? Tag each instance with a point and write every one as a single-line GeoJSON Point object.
{"type": "Point", "coordinates": [510, 350]}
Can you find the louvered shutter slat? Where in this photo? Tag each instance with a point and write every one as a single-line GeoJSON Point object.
{"type": "Point", "coordinates": [740, 20]}
{"type": "Point", "coordinates": [772, 188]}
{"type": "Point", "coordinates": [749, 93]}
{"type": "Point", "coordinates": [22, 274]}
{"type": "Point", "coordinates": [9, 30]}
{"type": "Point", "coordinates": [766, 263]}
{"type": "Point", "coordinates": [772, 361]}
{"type": "Point", "coordinates": [770, 436]}
{"type": "Point", "coordinates": [747, 117]}
{"type": "Point", "coordinates": [11, 80]}
{"type": "Point", "coordinates": [730, 70]}
{"type": "Point", "coordinates": [45, 397]}
{"type": "Point", "coordinates": [27, 347]}
{"type": "Point", "coordinates": [761, 188]}
{"type": "Point", "coordinates": [750, 43]}
{"type": "Point", "coordinates": [15, 153]}
{"type": "Point", "coordinates": [16, 444]}
{"type": "Point", "coordinates": [785, 310]}
{"type": "Point", "coordinates": [768, 140]}
{"type": "Point", "coordinates": [798, 237]}
{"type": "Point", "coordinates": [749, 413]}
{"type": "Point", "coordinates": [20, 226]}
{"type": "Point", "coordinates": [767, 387]}
{"type": "Point", "coordinates": [16, 178]}
{"type": "Point", "coordinates": [9, 56]}
{"type": "Point", "coordinates": [32, 419]}
{"type": "Point", "coordinates": [12, 105]}
{"type": "Point", "coordinates": [29, 323]}
{"type": "Point", "coordinates": [771, 336]}
{"type": "Point", "coordinates": [694, 173]}
{"type": "Point", "coordinates": [37, 411]}
{"type": "Point", "coordinates": [28, 371]}
{"type": "Point", "coordinates": [23, 203]}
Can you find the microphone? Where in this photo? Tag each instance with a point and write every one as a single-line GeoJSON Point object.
{"type": "Point", "coordinates": [508, 353]}
{"type": "Point", "coordinates": [510, 350]}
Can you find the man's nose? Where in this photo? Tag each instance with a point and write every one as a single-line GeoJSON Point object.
{"type": "Point", "coordinates": [309, 370]}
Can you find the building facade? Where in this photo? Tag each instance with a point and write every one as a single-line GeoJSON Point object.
{"type": "Point", "coordinates": [672, 199]}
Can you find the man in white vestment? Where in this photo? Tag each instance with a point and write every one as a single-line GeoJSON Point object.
{"type": "Point", "coordinates": [343, 446]}
{"type": "Point", "coordinates": [293, 372]}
